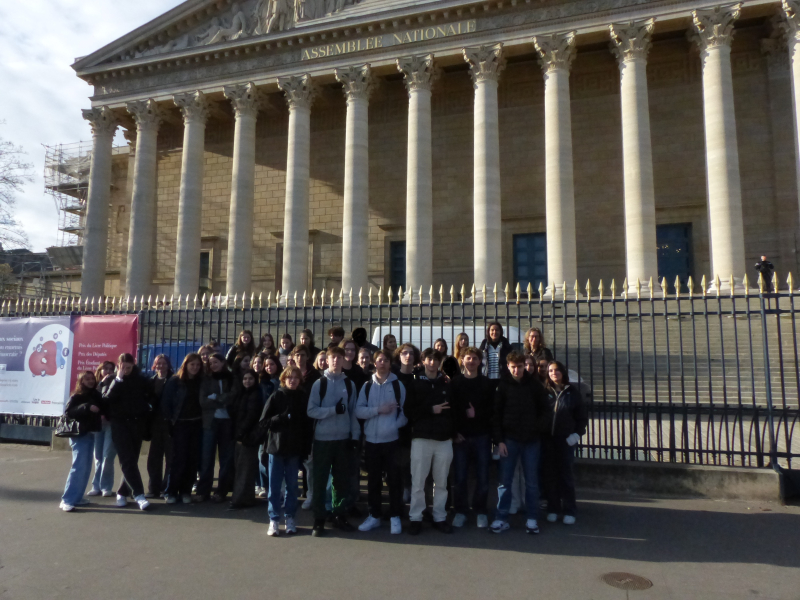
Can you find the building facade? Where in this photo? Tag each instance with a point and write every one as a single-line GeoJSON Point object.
{"type": "Point", "coordinates": [290, 145]}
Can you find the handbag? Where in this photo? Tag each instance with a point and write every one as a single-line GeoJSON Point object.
{"type": "Point", "coordinates": [67, 428]}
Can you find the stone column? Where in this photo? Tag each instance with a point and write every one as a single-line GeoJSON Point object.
{"type": "Point", "coordinates": [791, 26]}
{"type": "Point", "coordinates": [95, 230]}
{"type": "Point", "coordinates": [246, 101]}
{"type": "Point", "coordinates": [194, 108]}
{"type": "Point", "coordinates": [631, 43]}
{"type": "Point", "coordinates": [419, 73]}
{"type": "Point", "coordinates": [556, 52]}
{"type": "Point", "coordinates": [300, 92]}
{"type": "Point", "coordinates": [485, 64]}
{"type": "Point", "coordinates": [141, 237]}
{"type": "Point", "coordinates": [357, 82]}
{"type": "Point", "coordinates": [713, 33]}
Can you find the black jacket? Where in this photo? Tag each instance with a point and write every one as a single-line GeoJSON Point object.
{"type": "Point", "coordinates": [129, 397]}
{"type": "Point", "coordinates": [505, 349]}
{"type": "Point", "coordinates": [542, 353]}
{"type": "Point", "coordinates": [310, 377]}
{"type": "Point", "coordinates": [233, 351]}
{"type": "Point", "coordinates": [246, 411]}
{"type": "Point", "coordinates": [569, 412]}
{"type": "Point", "coordinates": [285, 419]}
{"type": "Point", "coordinates": [79, 406]}
{"type": "Point", "coordinates": [480, 393]}
{"type": "Point", "coordinates": [356, 375]}
{"type": "Point", "coordinates": [419, 405]}
{"type": "Point", "coordinates": [173, 398]}
{"type": "Point", "coordinates": [521, 410]}
{"type": "Point", "coordinates": [157, 386]}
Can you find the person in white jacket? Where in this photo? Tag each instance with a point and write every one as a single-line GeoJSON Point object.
{"type": "Point", "coordinates": [380, 406]}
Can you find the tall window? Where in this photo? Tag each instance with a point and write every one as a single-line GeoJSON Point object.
{"type": "Point", "coordinates": [397, 264]}
{"type": "Point", "coordinates": [674, 252]}
{"type": "Point", "coordinates": [205, 272]}
{"type": "Point", "coordinates": [530, 260]}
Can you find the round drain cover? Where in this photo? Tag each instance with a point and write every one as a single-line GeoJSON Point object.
{"type": "Point", "coordinates": [627, 581]}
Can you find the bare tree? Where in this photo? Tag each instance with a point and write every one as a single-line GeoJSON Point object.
{"type": "Point", "coordinates": [14, 172]}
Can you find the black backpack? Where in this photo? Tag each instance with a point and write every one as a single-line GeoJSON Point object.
{"type": "Point", "coordinates": [323, 388]}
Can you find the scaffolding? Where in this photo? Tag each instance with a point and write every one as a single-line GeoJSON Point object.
{"type": "Point", "coordinates": [66, 179]}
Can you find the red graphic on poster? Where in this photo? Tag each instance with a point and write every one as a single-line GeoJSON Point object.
{"type": "Point", "coordinates": [100, 338]}
{"type": "Point", "coordinates": [43, 360]}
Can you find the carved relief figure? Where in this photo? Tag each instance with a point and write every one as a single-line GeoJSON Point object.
{"type": "Point", "coordinates": [216, 33]}
{"type": "Point", "coordinates": [274, 15]}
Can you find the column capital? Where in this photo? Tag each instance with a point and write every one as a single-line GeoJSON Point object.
{"type": "Point", "coordinates": [419, 72]}
{"type": "Point", "coordinates": [632, 40]}
{"type": "Point", "coordinates": [713, 27]}
{"type": "Point", "coordinates": [485, 62]}
{"type": "Point", "coordinates": [147, 114]}
{"type": "Point", "coordinates": [194, 106]}
{"type": "Point", "coordinates": [357, 81]}
{"type": "Point", "coordinates": [102, 119]}
{"type": "Point", "coordinates": [556, 51]}
{"type": "Point", "coordinates": [245, 98]}
{"type": "Point", "coordinates": [300, 90]}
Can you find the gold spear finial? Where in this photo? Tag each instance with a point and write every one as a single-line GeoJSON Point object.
{"type": "Point", "coordinates": [518, 292]}
{"type": "Point", "coordinates": [613, 288]}
{"type": "Point", "coordinates": [732, 284]}
{"type": "Point", "coordinates": [690, 285]}
{"type": "Point", "coordinates": [775, 282]}
{"type": "Point", "coordinates": [704, 285]}
{"type": "Point", "coordinates": [761, 284]}
{"type": "Point", "coordinates": [789, 281]}
{"type": "Point", "coordinates": [746, 284]}
{"type": "Point", "coordinates": [717, 284]}
{"type": "Point", "coordinates": [389, 295]}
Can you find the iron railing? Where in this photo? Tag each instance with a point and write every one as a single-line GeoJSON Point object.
{"type": "Point", "coordinates": [676, 374]}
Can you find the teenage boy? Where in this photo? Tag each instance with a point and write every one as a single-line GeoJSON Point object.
{"type": "Point", "coordinates": [521, 414]}
{"type": "Point", "coordinates": [473, 396]}
{"type": "Point", "coordinates": [332, 403]}
{"type": "Point", "coordinates": [355, 374]}
{"type": "Point", "coordinates": [301, 358]}
{"type": "Point", "coordinates": [429, 411]}
{"type": "Point", "coordinates": [407, 356]}
{"type": "Point", "coordinates": [380, 406]}
{"type": "Point", "coordinates": [336, 335]}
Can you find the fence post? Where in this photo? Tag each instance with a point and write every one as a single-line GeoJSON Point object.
{"type": "Point", "coordinates": [773, 459]}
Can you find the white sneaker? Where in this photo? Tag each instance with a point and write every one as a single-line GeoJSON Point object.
{"type": "Point", "coordinates": [291, 528]}
{"type": "Point", "coordinates": [121, 501]}
{"type": "Point", "coordinates": [143, 502]}
{"type": "Point", "coordinates": [531, 526]}
{"type": "Point", "coordinates": [552, 517]}
{"type": "Point", "coordinates": [109, 494]}
{"type": "Point", "coordinates": [459, 520]}
{"type": "Point", "coordinates": [569, 520]}
{"type": "Point", "coordinates": [274, 528]}
{"type": "Point", "coordinates": [261, 493]}
{"type": "Point", "coordinates": [483, 521]}
{"type": "Point", "coordinates": [66, 507]}
{"type": "Point", "coordinates": [397, 526]}
{"type": "Point", "coordinates": [369, 523]}
{"type": "Point", "coordinates": [93, 492]}
{"type": "Point", "coordinates": [499, 526]}
{"type": "Point", "coordinates": [171, 500]}
{"type": "Point", "coordinates": [307, 504]}
{"type": "Point", "coordinates": [186, 498]}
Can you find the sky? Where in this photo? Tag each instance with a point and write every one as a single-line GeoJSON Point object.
{"type": "Point", "coordinates": [41, 97]}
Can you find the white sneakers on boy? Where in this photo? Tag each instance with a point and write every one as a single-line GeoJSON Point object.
{"type": "Point", "coordinates": [483, 521]}
{"type": "Point", "coordinates": [143, 502]}
{"type": "Point", "coordinates": [397, 526]}
{"type": "Point", "coordinates": [552, 517]}
{"type": "Point", "coordinates": [569, 520]}
{"type": "Point", "coordinates": [66, 507]}
{"type": "Point", "coordinates": [121, 501]}
{"type": "Point", "coordinates": [291, 528]}
{"type": "Point", "coordinates": [459, 520]}
{"type": "Point", "coordinates": [369, 523]}
{"type": "Point", "coordinates": [531, 526]}
{"type": "Point", "coordinates": [274, 528]}
{"type": "Point", "coordinates": [186, 498]}
{"type": "Point", "coordinates": [499, 526]}
{"type": "Point", "coordinates": [171, 499]}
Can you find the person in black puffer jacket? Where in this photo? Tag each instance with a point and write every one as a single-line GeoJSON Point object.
{"type": "Point", "coordinates": [129, 408]}
{"type": "Point", "coordinates": [569, 417]}
{"type": "Point", "coordinates": [246, 411]}
{"type": "Point", "coordinates": [85, 406]}
{"type": "Point", "coordinates": [520, 417]}
{"type": "Point", "coordinates": [160, 441]}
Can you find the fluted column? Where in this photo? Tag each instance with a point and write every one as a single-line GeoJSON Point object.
{"type": "Point", "coordinates": [791, 25]}
{"type": "Point", "coordinates": [358, 83]}
{"type": "Point", "coordinates": [95, 230]}
{"type": "Point", "coordinates": [194, 108]}
{"type": "Point", "coordinates": [419, 73]}
{"type": "Point", "coordinates": [246, 101]}
{"type": "Point", "coordinates": [713, 33]}
{"type": "Point", "coordinates": [141, 236]}
{"type": "Point", "coordinates": [556, 54]}
{"type": "Point", "coordinates": [299, 91]}
{"type": "Point", "coordinates": [631, 44]}
{"type": "Point", "coordinates": [485, 64]}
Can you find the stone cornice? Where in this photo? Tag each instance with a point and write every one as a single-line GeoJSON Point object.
{"type": "Point", "coordinates": [357, 81]}
{"type": "Point", "coordinates": [246, 99]}
{"type": "Point", "coordinates": [485, 62]}
{"type": "Point", "coordinates": [102, 119]}
{"type": "Point", "coordinates": [631, 41]}
{"type": "Point", "coordinates": [300, 90]}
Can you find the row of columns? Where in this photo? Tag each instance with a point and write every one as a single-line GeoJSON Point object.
{"type": "Point", "coordinates": [712, 31]}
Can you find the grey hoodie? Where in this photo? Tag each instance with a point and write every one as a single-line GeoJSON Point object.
{"type": "Point", "coordinates": [330, 426]}
{"type": "Point", "coordinates": [379, 429]}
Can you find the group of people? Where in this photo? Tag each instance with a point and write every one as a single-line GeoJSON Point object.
{"type": "Point", "coordinates": [404, 416]}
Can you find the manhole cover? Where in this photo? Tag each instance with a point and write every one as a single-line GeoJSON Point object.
{"type": "Point", "coordinates": [627, 581]}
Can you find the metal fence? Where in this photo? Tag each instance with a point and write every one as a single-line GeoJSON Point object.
{"type": "Point", "coordinates": [676, 374]}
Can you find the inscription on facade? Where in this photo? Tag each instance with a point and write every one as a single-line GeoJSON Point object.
{"type": "Point", "coordinates": [390, 39]}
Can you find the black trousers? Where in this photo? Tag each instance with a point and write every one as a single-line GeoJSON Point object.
{"type": "Point", "coordinates": [557, 476]}
{"type": "Point", "coordinates": [160, 449]}
{"type": "Point", "coordinates": [186, 439]}
{"type": "Point", "coordinates": [246, 469]}
{"type": "Point", "coordinates": [127, 436]}
{"type": "Point", "coordinates": [382, 458]}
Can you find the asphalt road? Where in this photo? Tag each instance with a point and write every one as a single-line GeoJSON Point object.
{"type": "Point", "coordinates": [689, 549]}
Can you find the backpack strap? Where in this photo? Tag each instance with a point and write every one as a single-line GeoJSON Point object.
{"type": "Point", "coordinates": [367, 388]}
{"type": "Point", "coordinates": [323, 389]}
{"type": "Point", "coordinates": [349, 385]}
{"type": "Point", "coordinates": [396, 388]}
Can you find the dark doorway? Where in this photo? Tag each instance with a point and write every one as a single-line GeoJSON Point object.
{"type": "Point", "coordinates": [674, 252]}
{"type": "Point", "coordinates": [397, 264]}
{"type": "Point", "coordinates": [530, 260]}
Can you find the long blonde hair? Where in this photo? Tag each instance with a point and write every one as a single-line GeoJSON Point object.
{"type": "Point", "coordinates": [457, 349]}
{"type": "Point", "coordinates": [527, 344]}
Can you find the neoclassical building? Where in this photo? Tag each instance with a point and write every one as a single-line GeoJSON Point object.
{"type": "Point", "coordinates": [297, 144]}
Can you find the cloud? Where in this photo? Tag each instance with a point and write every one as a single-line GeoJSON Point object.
{"type": "Point", "coordinates": [42, 98]}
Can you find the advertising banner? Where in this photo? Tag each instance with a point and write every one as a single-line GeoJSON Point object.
{"type": "Point", "coordinates": [40, 357]}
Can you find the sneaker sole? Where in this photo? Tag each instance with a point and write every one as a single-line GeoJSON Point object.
{"type": "Point", "coordinates": [532, 531]}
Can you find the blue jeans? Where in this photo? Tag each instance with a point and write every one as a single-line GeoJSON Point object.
{"type": "Point", "coordinates": [104, 454]}
{"type": "Point", "coordinates": [82, 452]}
{"type": "Point", "coordinates": [220, 435]}
{"type": "Point", "coordinates": [475, 451]}
{"type": "Point", "coordinates": [528, 453]}
{"type": "Point", "coordinates": [283, 468]}
{"type": "Point", "coordinates": [262, 479]}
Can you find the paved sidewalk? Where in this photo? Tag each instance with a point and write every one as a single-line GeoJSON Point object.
{"type": "Point", "coordinates": [689, 549]}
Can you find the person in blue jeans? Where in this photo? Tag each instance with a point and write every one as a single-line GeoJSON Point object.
{"type": "Point", "coordinates": [85, 406]}
{"type": "Point", "coordinates": [104, 450]}
{"type": "Point", "coordinates": [521, 415]}
{"type": "Point", "coordinates": [288, 444]}
{"type": "Point", "coordinates": [473, 396]}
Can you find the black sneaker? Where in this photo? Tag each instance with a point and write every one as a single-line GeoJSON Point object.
{"type": "Point", "coordinates": [318, 530]}
{"type": "Point", "coordinates": [354, 512]}
{"type": "Point", "coordinates": [414, 528]}
{"type": "Point", "coordinates": [443, 526]}
{"type": "Point", "coordinates": [340, 522]}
